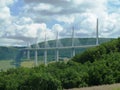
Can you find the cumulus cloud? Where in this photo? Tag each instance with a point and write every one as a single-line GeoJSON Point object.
{"type": "Point", "coordinates": [57, 28]}
{"type": "Point", "coordinates": [38, 17]}
{"type": "Point", "coordinates": [110, 26]}
{"type": "Point", "coordinates": [11, 42]}
{"type": "Point", "coordinates": [68, 19]}
{"type": "Point", "coordinates": [5, 2]}
{"type": "Point", "coordinates": [5, 16]}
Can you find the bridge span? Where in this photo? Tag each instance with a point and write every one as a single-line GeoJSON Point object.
{"type": "Point", "coordinates": [57, 48]}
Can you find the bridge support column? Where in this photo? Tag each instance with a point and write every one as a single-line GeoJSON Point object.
{"type": "Point", "coordinates": [28, 54]}
{"type": "Point", "coordinates": [73, 52]}
{"type": "Point", "coordinates": [36, 57]}
{"type": "Point", "coordinates": [97, 36]}
{"type": "Point", "coordinates": [57, 50]}
{"type": "Point", "coordinates": [73, 49]}
{"type": "Point", "coordinates": [57, 55]}
{"type": "Point", "coordinates": [45, 57]}
{"type": "Point", "coordinates": [28, 51]}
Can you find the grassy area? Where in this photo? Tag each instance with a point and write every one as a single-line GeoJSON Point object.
{"type": "Point", "coordinates": [28, 64]}
{"type": "Point", "coordinates": [6, 64]}
{"type": "Point", "coordinates": [103, 87]}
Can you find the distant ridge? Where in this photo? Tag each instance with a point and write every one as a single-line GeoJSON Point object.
{"type": "Point", "coordinates": [11, 52]}
{"type": "Point", "coordinates": [78, 41]}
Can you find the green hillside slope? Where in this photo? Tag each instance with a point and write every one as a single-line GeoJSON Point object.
{"type": "Point", "coordinates": [7, 53]}
{"type": "Point", "coordinates": [99, 51]}
{"type": "Point", "coordinates": [77, 41]}
{"type": "Point", "coordinates": [68, 42]}
{"type": "Point", "coordinates": [17, 55]}
{"type": "Point", "coordinates": [95, 66]}
{"type": "Point", "coordinates": [11, 52]}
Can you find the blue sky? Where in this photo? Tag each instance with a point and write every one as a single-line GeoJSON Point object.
{"type": "Point", "coordinates": [24, 21]}
{"type": "Point", "coordinates": [15, 8]}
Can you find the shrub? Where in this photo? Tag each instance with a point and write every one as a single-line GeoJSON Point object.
{"type": "Point", "coordinates": [41, 82]}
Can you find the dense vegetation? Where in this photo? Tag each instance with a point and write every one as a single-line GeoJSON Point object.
{"type": "Point", "coordinates": [95, 66]}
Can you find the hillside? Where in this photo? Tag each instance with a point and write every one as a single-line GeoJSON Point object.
{"type": "Point", "coordinates": [67, 42]}
{"type": "Point", "coordinates": [11, 52]}
{"type": "Point", "coordinates": [96, 66]}
{"type": "Point", "coordinates": [77, 41]}
{"type": "Point", "coordinates": [67, 53]}
{"type": "Point", "coordinates": [16, 54]}
{"type": "Point", "coordinates": [99, 51]}
{"type": "Point", "coordinates": [7, 53]}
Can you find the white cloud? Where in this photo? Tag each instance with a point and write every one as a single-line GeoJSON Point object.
{"type": "Point", "coordinates": [11, 42]}
{"type": "Point", "coordinates": [68, 19]}
{"type": "Point", "coordinates": [5, 2]}
{"type": "Point", "coordinates": [57, 28]}
{"type": "Point", "coordinates": [5, 16]}
{"type": "Point", "coordinates": [39, 16]}
{"type": "Point", "coordinates": [46, 7]}
{"type": "Point", "coordinates": [23, 20]}
{"type": "Point", "coordinates": [77, 2]}
{"type": "Point", "coordinates": [110, 26]}
{"type": "Point", "coordinates": [42, 6]}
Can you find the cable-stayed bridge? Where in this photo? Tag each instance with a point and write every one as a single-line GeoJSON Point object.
{"type": "Point", "coordinates": [57, 47]}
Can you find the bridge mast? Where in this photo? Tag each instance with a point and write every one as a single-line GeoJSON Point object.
{"type": "Point", "coordinates": [97, 28]}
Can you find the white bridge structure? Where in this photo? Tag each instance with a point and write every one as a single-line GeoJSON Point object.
{"type": "Point", "coordinates": [57, 47]}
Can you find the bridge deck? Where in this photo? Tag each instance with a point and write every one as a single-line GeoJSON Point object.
{"type": "Point", "coordinates": [67, 47]}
